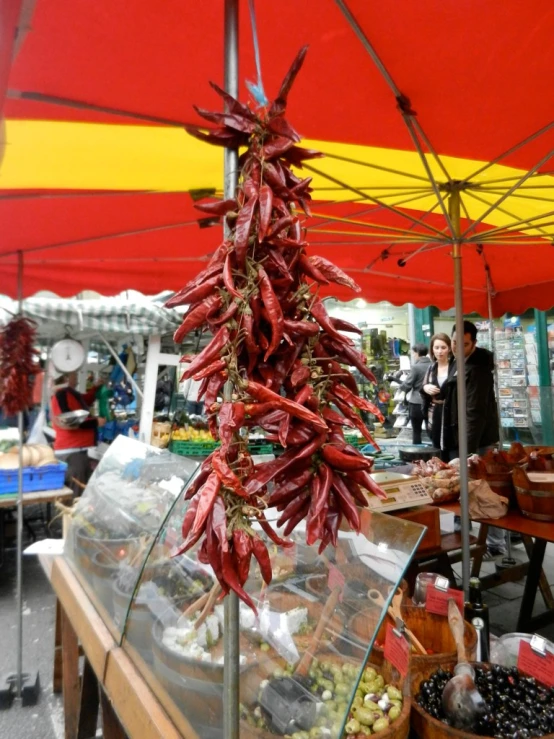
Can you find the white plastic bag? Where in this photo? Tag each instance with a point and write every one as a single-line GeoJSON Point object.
{"type": "Point", "coordinates": [36, 435]}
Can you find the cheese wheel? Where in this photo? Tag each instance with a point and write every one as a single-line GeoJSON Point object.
{"type": "Point", "coordinates": [9, 462]}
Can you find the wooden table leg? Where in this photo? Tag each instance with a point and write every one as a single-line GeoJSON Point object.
{"type": "Point", "coordinates": [58, 671]}
{"type": "Point", "coordinates": [70, 681]}
{"type": "Point", "coordinates": [480, 550]}
{"type": "Point", "coordinates": [111, 727]}
{"type": "Point", "coordinates": [90, 699]}
{"type": "Point", "coordinates": [525, 619]}
{"type": "Point", "coordinates": [545, 588]}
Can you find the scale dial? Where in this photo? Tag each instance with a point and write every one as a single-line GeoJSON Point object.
{"type": "Point", "coordinates": [67, 355]}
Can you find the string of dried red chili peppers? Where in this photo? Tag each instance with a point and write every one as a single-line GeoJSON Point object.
{"type": "Point", "coordinates": [17, 365]}
{"type": "Point", "coordinates": [285, 357]}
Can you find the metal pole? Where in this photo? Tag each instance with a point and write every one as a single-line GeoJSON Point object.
{"type": "Point", "coordinates": [231, 671]}
{"type": "Point", "coordinates": [126, 372]}
{"type": "Point", "coordinates": [19, 582]}
{"type": "Point", "coordinates": [493, 350]}
{"type": "Point", "coordinates": [454, 210]}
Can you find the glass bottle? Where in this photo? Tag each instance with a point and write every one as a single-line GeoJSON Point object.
{"type": "Point", "coordinates": [475, 608]}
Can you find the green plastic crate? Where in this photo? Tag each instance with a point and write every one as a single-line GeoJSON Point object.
{"type": "Point", "coordinates": [193, 448]}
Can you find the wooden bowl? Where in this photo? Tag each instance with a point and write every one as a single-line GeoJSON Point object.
{"type": "Point", "coordinates": [535, 496]}
{"type": "Point", "coordinates": [425, 726]}
{"type": "Point", "coordinates": [431, 630]}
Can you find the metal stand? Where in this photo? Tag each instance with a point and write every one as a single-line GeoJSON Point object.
{"type": "Point", "coordinates": [454, 213]}
{"type": "Point", "coordinates": [231, 671]}
{"type": "Point", "coordinates": [25, 686]}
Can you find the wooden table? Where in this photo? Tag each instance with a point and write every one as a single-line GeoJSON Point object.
{"type": "Point", "coordinates": [9, 502]}
{"type": "Point", "coordinates": [109, 682]}
{"type": "Point", "coordinates": [535, 535]}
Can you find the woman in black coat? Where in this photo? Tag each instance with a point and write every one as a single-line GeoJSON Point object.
{"type": "Point", "coordinates": [436, 393]}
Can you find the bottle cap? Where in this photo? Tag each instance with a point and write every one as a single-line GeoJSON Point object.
{"type": "Point", "coordinates": [474, 582]}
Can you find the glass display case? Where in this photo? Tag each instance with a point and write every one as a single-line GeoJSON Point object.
{"type": "Point", "coordinates": [307, 669]}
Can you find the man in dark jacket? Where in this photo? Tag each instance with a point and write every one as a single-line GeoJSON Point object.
{"type": "Point", "coordinates": [482, 413]}
{"type": "Point", "coordinates": [481, 407]}
{"type": "Point", "coordinates": [412, 385]}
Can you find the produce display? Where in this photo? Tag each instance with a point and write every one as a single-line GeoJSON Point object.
{"type": "Point", "coordinates": [276, 359]}
{"type": "Point", "coordinates": [330, 684]}
{"type": "Point", "coordinates": [33, 455]}
{"type": "Point", "coordinates": [517, 706]}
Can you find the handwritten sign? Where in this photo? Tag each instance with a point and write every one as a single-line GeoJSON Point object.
{"type": "Point", "coordinates": [539, 666]}
{"type": "Point", "coordinates": [336, 579]}
{"type": "Point", "coordinates": [437, 600]}
{"type": "Point", "coordinates": [397, 650]}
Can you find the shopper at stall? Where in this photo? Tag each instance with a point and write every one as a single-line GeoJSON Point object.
{"type": "Point", "coordinates": [481, 413]}
{"type": "Point", "coordinates": [412, 386]}
{"type": "Point", "coordinates": [436, 395]}
{"type": "Point", "coordinates": [71, 435]}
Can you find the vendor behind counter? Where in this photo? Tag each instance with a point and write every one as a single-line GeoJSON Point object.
{"type": "Point", "coordinates": [75, 437]}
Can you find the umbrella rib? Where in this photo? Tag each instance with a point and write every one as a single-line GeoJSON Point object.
{"type": "Point", "coordinates": [355, 222]}
{"type": "Point", "coordinates": [408, 217]}
{"type": "Point", "coordinates": [400, 239]}
{"type": "Point", "coordinates": [40, 97]}
{"type": "Point", "coordinates": [362, 163]}
{"type": "Point", "coordinates": [408, 118]}
{"type": "Point", "coordinates": [514, 224]}
{"type": "Point", "coordinates": [92, 239]}
{"type": "Point", "coordinates": [511, 150]}
{"type": "Point", "coordinates": [422, 280]}
{"type": "Point", "coordinates": [512, 189]}
{"type": "Point", "coordinates": [496, 180]}
{"type": "Point", "coordinates": [500, 210]}
{"type": "Point", "coordinates": [523, 197]}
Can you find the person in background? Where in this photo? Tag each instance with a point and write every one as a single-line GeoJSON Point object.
{"type": "Point", "coordinates": [412, 385]}
{"type": "Point", "coordinates": [481, 414]}
{"type": "Point", "coordinates": [71, 436]}
{"type": "Point", "coordinates": [435, 395]}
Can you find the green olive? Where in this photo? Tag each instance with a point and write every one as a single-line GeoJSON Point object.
{"type": "Point", "coordinates": [316, 732]}
{"type": "Point", "coordinates": [394, 693]}
{"type": "Point", "coordinates": [342, 689]}
{"type": "Point", "coordinates": [380, 681]}
{"type": "Point", "coordinates": [321, 720]}
{"type": "Point", "coordinates": [325, 684]}
{"type": "Point", "coordinates": [352, 727]}
{"type": "Point", "coordinates": [278, 672]}
{"type": "Point", "coordinates": [265, 647]}
{"type": "Point", "coordinates": [371, 705]}
{"type": "Point", "coordinates": [372, 687]}
{"type": "Point", "coordinates": [331, 706]}
{"type": "Point", "coordinates": [365, 731]}
{"type": "Point", "coordinates": [325, 666]}
{"type": "Point", "coordinates": [380, 725]}
{"type": "Point", "coordinates": [358, 701]}
{"type": "Point", "coordinates": [394, 713]}
{"type": "Point", "coordinates": [364, 716]}
{"type": "Point", "coordinates": [370, 673]}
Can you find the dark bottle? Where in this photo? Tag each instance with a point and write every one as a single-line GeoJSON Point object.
{"type": "Point", "coordinates": [482, 654]}
{"type": "Point", "coordinates": [475, 608]}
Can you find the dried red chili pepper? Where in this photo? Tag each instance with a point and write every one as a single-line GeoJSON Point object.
{"type": "Point", "coordinates": [311, 271]}
{"type": "Point", "coordinates": [259, 392]}
{"type": "Point", "coordinates": [292, 485]}
{"type": "Point", "coordinates": [293, 522]}
{"type": "Point", "coordinates": [363, 478]}
{"type": "Point", "coordinates": [341, 461]}
{"type": "Point", "coordinates": [332, 416]}
{"type": "Point", "coordinates": [300, 375]}
{"type": "Point", "coordinates": [346, 502]}
{"type": "Point", "coordinates": [321, 316]}
{"type": "Point", "coordinates": [209, 353]}
{"type": "Point", "coordinates": [228, 278]}
{"type": "Point", "coordinates": [274, 310]}
{"type": "Point", "coordinates": [198, 292]}
{"type": "Point", "coordinates": [341, 325]}
{"type": "Point", "coordinates": [210, 370]}
{"type": "Point", "coordinates": [349, 355]}
{"type": "Point", "coordinates": [279, 105]}
{"type": "Point", "coordinates": [259, 550]}
{"type": "Point", "coordinates": [196, 316]}
{"type": "Point", "coordinates": [242, 554]}
{"type": "Point", "coordinates": [17, 364]}
{"type": "Point", "coordinates": [334, 273]}
{"type": "Point", "coordinates": [265, 472]}
{"type": "Point", "coordinates": [354, 399]}
{"type": "Point", "coordinates": [242, 229]}
{"type": "Point", "coordinates": [302, 328]}
{"type": "Point", "coordinates": [266, 205]}
{"type": "Point", "coordinates": [219, 208]}
{"type": "Point", "coordinates": [227, 476]}
{"type": "Point", "coordinates": [232, 120]}
{"type": "Point", "coordinates": [224, 317]}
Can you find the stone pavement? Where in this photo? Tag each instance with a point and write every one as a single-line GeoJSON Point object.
{"type": "Point", "coordinates": [45, 721]}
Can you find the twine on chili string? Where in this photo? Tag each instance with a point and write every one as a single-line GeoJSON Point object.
{"type": "Point", "coordinates": [256, 88]}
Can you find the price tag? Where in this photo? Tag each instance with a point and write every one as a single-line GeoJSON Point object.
{"type": "Point", "coordinates": [539, 666]}
{"type": "Point", "coordinates": [437, 600]}
{"type": "Point", "coordinates": [397, 650]}
{"type": "Point", "coordinates": [336, 579]}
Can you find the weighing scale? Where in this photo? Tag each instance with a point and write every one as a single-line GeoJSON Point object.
{"type": "Point", "coordinates": [402, 491]}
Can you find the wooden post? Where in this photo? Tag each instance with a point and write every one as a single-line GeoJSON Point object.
{"type": "Point", "coordinates": [71, 683]}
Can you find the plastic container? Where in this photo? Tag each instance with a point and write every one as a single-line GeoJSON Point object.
{"type": "Point", "coordinates": [35, 479]}
{"type": "Point", "coordinates": [505, 649]}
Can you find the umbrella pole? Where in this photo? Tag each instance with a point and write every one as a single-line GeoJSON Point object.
{"type": "Point", "coordinates": [19, 581]}
{"type": "Point", "coordinates": [454, 212]}
{"type": "Point", "coordinates": [493, 350]}
{"type": "Point", "coordinates": [231, 665]}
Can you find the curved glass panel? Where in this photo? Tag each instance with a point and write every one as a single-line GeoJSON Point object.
{"type": "Point", "coordinates": [116, 521]}
{"type": "Point", "coordinates": [290, 682]}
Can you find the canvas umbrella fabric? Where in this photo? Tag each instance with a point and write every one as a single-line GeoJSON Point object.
{"type": "Point", "coordinates": [435, 120]}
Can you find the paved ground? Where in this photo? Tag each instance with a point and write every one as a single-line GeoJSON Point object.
{"type": "Point", "coordinates": [45, 721]}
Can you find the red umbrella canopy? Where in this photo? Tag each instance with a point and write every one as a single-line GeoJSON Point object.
{"type": "Point", "coordinates": [408, 106]}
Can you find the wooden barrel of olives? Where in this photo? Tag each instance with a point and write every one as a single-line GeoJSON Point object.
{"type": "Point", "coordinates": [498, 477]}
{"type": "Point", "coordinates": [535, 493]}
{"type": "Point", "coordinates": [432, 631]}
{"type": "Point", "coordinates": [426, 726]}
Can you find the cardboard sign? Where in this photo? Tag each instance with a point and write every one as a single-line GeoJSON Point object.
{"type": "Point", "coordinates": [336, 579]}
{"type": "Point", "coordinates": [397, 650]}
{"type": "Point", "coordinates": [437, 600]}
{"type": "Point", "coordinates": [537, 665]}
